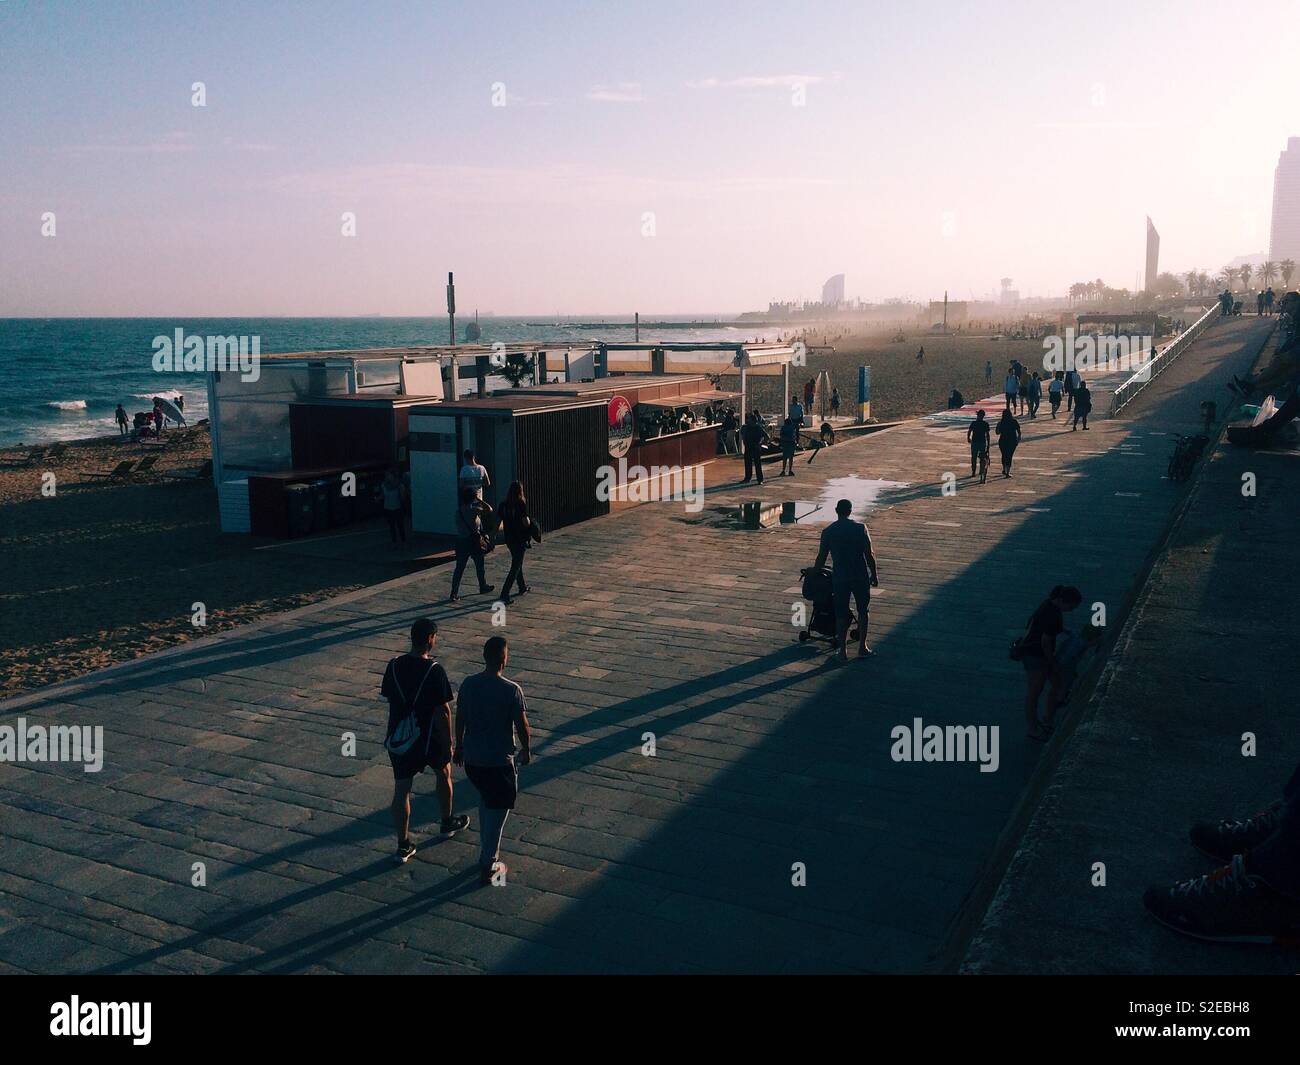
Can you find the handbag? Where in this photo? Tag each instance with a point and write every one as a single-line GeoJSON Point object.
{"type": "Point", "coordinates": [1017, 651]}
{"type": "Point", "coordinates": [535, 531]}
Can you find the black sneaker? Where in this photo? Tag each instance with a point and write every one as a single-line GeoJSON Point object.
{"type": "Point", "coordinates": [405, 852]}
{"type": "Point", "coordinates": [451, 825]}
{"type": "Point", "coordinates": [484, 589]}
{"type": "Point", "coordinates": [1223, 839]}
{"type": "Point", "coordinates": [1229, 905]}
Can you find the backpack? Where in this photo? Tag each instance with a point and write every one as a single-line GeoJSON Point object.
{"type": "Point", "coordinates": [407, 731]}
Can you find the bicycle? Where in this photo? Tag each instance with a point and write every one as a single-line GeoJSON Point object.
{"type": "Point", "coordinates": [982, 457]}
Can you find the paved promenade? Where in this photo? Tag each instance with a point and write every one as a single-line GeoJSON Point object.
{"type": "Point", "coordinates": [229, 752]}
{"type": "Point", "coordinates": [1209, 656]}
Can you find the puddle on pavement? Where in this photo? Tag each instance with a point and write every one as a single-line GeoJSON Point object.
{"type": "Point", "coordinates": [864, 493]}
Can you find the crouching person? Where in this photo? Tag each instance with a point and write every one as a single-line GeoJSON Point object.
{"type": "Point", "coordinates": [490, 714]}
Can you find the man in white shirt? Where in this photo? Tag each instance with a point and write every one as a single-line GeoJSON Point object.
{"type": "Point", "coordinates": [472, 475]}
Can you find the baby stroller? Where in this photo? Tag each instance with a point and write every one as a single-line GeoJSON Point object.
{"type": "Point", "coordinates": [821, 623]}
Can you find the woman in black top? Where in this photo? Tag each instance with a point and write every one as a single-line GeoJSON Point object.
{"type": "Point", "coordinates": [1038, 656]}
{"type": "Point", "coordinates": [517, 527]}
{"type": "Point", "coordinates": [1008, 430]}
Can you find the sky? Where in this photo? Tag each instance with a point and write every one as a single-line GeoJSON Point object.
{"type": "Point", "coordinates": [600, 158]}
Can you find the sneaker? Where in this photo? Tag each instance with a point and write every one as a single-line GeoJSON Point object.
{"type": "Point", "coordinates": [1229, 905]}
{"type": "Point", "coordinates": [405, 852]}
{"type": "Point", "coordinates": [487, 872]}
{"type": "Point", "coordinates": [451, 825]}
{"type": "Point", "coordinates": [453, 599]}
{"type": "Point", "coordinates": [1221, 840]}
{"type": "Point", "coordinates": [486, 588]}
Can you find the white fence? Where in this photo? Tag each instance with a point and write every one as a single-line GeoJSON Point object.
{"type": "Point", "coordinates": [1126, 392]}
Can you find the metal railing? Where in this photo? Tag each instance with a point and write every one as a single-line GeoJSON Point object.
{"type": "Point", "coordinates": [1129, 390]}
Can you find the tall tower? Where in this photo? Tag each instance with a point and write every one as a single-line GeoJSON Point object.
{"type": "Point", "coordinates": [1153, 255]}
{"type": "Point", "coordinates": [1284, 237]}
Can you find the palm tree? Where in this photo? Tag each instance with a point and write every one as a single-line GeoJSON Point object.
{"type": "Point", "coordinates": [1267, 271]}
{"type": "Point", "coordinates": [1224, 278]}
{"type": "Point", "coordinates": [1203, 282]}
{"type": "Point", "coordinates": [1287, 266]}
{"type": "Point", "coordinates": [1244, 271]}
{"type": "Point", "coordinates": [1191, 277]}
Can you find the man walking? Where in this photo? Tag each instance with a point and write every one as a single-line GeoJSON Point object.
{"type": "Point", "coordinates": [752, 437]}
{"type": "Point", "coordinates": [977, 435]}
{"type": "Point", "coordinates": [120, 414]}
{"type": "Point", "coordinates": [490, 713]}
{"type": "Point", "coordinates": [848, 544]}
{"type": "Point", "coordinates": [472, 475]}
{"type": "Point", "coordinates": [419, 732]}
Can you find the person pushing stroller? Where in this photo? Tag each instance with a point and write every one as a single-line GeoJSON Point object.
{"type": "Point", "coordinates": [854, 574]}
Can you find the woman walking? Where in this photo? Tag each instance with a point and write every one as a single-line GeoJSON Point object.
{"type": "Point", "coordinates": [517, 527]}
{"type": "Point", "coordinates": [1082, 406]}
{"type": "Point", "coordinates": [1054, 391]}
{"type": "Point", "coordinates": [1037, 652]}
{"type": "Point", "coordinates": [470, 540]}
{"type": "Point", "coordinates": [1008, 430]}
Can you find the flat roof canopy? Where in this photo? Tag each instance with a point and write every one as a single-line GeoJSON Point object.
{"type": "Point", "coordinates": [507, 403]}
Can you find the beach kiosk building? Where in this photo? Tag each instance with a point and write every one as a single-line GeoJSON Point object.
{"type": "Point", "coordinates": [307, 418]}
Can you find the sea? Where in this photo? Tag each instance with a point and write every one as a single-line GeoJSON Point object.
{"type": "Point", "coordinates": [62, 378]}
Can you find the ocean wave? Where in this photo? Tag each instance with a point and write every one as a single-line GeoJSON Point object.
{"type": "Point", "coordinates": [166, 393]}
{"type": "Point", "coordinates": [67, 404]}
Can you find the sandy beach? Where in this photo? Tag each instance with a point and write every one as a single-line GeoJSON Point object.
{"type": "Point", "coordinates": [99, 573]}
{"type": "Point", "coordinates": [900, 386]}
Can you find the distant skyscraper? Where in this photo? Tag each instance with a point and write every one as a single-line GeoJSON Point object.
{"type": "Point", "coordinates": [833, 291]}
{"type": "Point", "coordinates": [1284, 239]}
{"type": "Point", "coordinates": [1153, 255]}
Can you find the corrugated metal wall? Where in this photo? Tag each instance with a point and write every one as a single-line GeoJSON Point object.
{"type": "Point", "coordinates": [556, 456]}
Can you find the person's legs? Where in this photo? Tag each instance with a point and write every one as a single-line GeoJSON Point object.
{"type": "Point", "coordinates": [442, 781]}
{"type": "Point", "coordinates": [841, 596]}
{"type": "Point", "coordinates": [1085, 419]}
{"type": "Point", "coordinates": [516, 573]}
{"type": "Point", "coordinates": [1037, 678]}
{"type": "Point", "coordinates": [974, 458]}
{"type": "Point", "coordinates": [862, 596]}
{"type": "Point", "coordinates": [1011, 454]}
{"type": "Point", "coordinates": [462, 557]}
{"type": "Point", "coordinates": [491, 826]}
{"type": "Point", "coordinates": [483, 585]}
{"type": "Point", "coordinates": [749, 464]}
{"type": "Point", "coordinates": [401, 809]}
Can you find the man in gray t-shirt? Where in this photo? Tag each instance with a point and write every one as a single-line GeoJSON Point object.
{"type": "Point", "coordinates": [848, 544]}
{"type": "Point", "coordinates": [490, 713]}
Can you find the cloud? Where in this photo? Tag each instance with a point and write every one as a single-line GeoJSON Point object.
{"type": "Point", "coordinates": [766, 81]}
{"type": "Point", "coordinates": [462, 184]}
{"type": "Point", "coordinates": [625, 92]}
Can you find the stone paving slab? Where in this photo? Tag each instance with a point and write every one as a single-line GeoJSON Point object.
{"type": "Point", "coordinates": [229, 751]}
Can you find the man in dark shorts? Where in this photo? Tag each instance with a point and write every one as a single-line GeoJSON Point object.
{"type": "Point", "coordinates": [854, 572]}
{"type": "Point", "coordinates": [490, 713]}
{"type": "Point", "coordinates": [977, 435]}
{"type": "Point", "coordinates": [419, 732]}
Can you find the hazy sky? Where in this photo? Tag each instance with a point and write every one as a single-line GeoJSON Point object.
{"type": "Point", "coordinates": [938, 145]}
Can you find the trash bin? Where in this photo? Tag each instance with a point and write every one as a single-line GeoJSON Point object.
{"type": "Point", "coordinates": [298, 501]}
{"type": "Point", "coordinates": [320, 505]}
{"type": "Point", "coordinates": [342, 508]}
